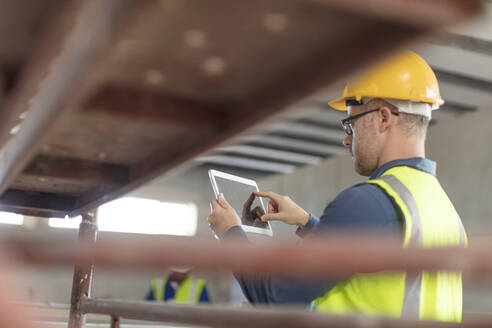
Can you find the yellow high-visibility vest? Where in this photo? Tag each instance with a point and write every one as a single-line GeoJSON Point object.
{"type": "Point", "coordinates": [188, 292]}
{"type": "Point", "coordinates": [430, 220]}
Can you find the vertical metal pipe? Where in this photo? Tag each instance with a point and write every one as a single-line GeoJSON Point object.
{"type": "Point", "coordinates": [115, 322]}
{"type": "Point", "coordinates": [83, 272]}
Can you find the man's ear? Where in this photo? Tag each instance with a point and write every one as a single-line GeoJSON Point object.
{"type": "Point", "coordinates": [385, 118]}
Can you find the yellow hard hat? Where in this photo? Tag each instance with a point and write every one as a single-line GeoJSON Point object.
{"type": "Point", "coordinates": [405, 76]}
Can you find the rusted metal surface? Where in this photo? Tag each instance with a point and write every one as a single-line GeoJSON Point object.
{"type": "Point", "coordinates": [333, 256]}
{"type": "Point", "coordinates": [226, 317]}
{"type": "Point", "coordinates": [83, 271]}
{"type": "Point", "coordinates": [143, 86]}
{"type": "Point", "coordinates": [36, 203]}
{"type": "Point", "coordinates": [115, 322]}
{"type": "Point", "coordinates": [417, 12]}
{"type": "Point", "coordinates": [50, 78]}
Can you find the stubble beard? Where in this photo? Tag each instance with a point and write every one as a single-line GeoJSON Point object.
{"type": "Point", "coordinates": [365, 159]}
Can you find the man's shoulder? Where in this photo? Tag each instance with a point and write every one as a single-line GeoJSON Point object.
{"type": "Point", "coordinates": [362, 205]}
{"type": "Point", "coordinates": [360, 193]}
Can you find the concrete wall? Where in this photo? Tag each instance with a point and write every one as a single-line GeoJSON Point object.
{"type": "Point", "coordinates": [464, 156]}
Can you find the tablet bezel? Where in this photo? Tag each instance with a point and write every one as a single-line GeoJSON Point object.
{"type": "Point", "coordinates": [213, 173]}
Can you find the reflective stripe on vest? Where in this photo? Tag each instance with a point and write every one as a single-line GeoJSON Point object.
{"type": "Point", "coordinates": [430, 220]}
{"type": "Point", "coordinates": [413, 283]}
{"type": "Point", "coordinates": [158, 287]}
{"type": "Point", "coordinates": [188, 292]}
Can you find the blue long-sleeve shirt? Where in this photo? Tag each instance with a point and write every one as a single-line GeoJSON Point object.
{"type": "Point", "coordinates": [363, 207]}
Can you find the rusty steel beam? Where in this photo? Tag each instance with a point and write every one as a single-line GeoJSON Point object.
{"type": "Point", "coordinates": [115, 322]}
{"type": "Point", "coordinates": [417, 12]}
{"type": "Point", "coordinates": [225, 317]}
{"type": "Point", "coordinates": [71, 169]}
{"type": "Point", "coordinates": [334, 256]}
{"type": "Point", "coordinates": [40, 204]}
{"type": "Point", "coordinates": [56, 70]}
{"type": "Point", "coordinates": [152, 106]}
{"type": "Point", "coordinates": [83, 271]}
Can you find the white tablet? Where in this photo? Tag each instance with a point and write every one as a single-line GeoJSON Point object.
{"type": "Point", "coordinates": [237, 191]}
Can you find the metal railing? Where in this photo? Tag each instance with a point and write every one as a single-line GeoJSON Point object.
{"type": "Point", "coordinates": [333, 256]}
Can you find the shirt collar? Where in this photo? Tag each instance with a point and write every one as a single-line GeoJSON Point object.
{"type": "Point", "coordinates": [418, 163]}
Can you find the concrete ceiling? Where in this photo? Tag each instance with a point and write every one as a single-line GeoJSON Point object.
{"type": "Point", "coordinates": [310, 131]}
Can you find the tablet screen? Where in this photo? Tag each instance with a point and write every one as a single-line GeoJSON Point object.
{"type": "Point", "coordinates": [237, 194]}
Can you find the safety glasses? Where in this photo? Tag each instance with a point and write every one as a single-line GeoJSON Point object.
{"type": "Point", "coordinates": [347, 123]}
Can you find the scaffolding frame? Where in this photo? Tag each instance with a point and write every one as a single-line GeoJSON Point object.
{"type": "Point", "coordinates": [334, 255]}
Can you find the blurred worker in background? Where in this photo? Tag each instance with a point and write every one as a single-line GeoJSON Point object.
{"type": "Point", "coordinates": [179, 287]}
{"type": "Point", "coordinates": [389, 109]}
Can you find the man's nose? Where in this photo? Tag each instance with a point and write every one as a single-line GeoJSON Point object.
{"type": "Point", "coordinates": [347, 141]}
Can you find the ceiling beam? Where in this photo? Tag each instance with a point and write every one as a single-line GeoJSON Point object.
{"type": "Point", "coordinates": [247, 163]}
{"type": "Point", "coordinates": [284, 143]}
{"type": "Point", "coordinates": [279, 155]}
{"type": "Point", "coordinates": [462, 94]}
{"type": "Point", "coordinates": [465, 42]}
{"type": "Point", "coordinates": [415, 13]}
{"type": "Point", "coordinates": [464, 80]}
{"type": "Point", "coordinates": [307, 131]}
{"type": "Point", "coordinates": [457, 60]}
{"type": "Point", "coordinates": [457, 108]}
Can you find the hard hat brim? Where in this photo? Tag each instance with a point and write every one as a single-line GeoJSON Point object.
{"type": "Point", "coordinates": [339, 104]}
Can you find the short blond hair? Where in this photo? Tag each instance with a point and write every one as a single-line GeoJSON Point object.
{"type": "Point", "coordinates": [412, 124]}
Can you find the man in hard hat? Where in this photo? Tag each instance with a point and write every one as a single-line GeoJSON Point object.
{"type": "Point", "coordinates": [389, 109]}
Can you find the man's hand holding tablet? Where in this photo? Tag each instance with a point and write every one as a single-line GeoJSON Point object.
{"type": "Point", "coordinates": [223, 216]}
{"type": "Point", "coordinates": [235, 195]}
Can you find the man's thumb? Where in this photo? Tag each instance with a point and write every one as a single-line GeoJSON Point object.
{"type": "Point", "coordinates": [222, 201]}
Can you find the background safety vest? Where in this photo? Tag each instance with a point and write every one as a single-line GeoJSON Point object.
{"type": "Point", "coordinates": [430, 220]}
{"type": "Point", "coordinates": [188, 292]}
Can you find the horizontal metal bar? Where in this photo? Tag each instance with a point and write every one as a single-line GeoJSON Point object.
{"type": "Point", "coordinates": [465, 80]}
{"type": "Point", "coordinates": [295, 144]}
{"type": "Point", "coordinates": [335, 255]}
{"type": "Point", "coordinates": [463, 94]}
{"type": "Point", "coordinates": [221, 316]}
{"type": "Point", "coordinates": [458, 61]}
{"type": "Point", "coordinates": [306, 130]}
{"type": "Point", "coordinates": [458, 108]}
{"type": "Point", "coordinates": [274, 154]}
{"type": "Point", "coordinates": [247, 163]}
{"type": "Point", "coordinates": [466, 42]}
{"type": "Point", "coordinates": [418, 13]}
{"type": "Point", "coordinates": [328, 115]}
